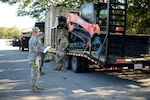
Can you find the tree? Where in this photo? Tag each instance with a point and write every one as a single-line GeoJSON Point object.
{"type": "Point", "coordinates": [9, 32]}
{"type": "Point", "coordinates": [138, 15]}
{"type": "Point", "coordinates": [37, 8]}
{"type": "Point", "coordinates": [138, 11]}
{"type": "Point", "coordinates": [3, 32]}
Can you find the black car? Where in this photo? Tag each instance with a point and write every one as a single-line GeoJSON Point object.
{"type": "Point", "coordinates": [16, 41]}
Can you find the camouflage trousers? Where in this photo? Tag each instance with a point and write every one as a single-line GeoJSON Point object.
{"type": "Point", "coordinates": [59, 57]}
{"type": "Point", "coordinates": [35, 72]}
{"type": "Point", "coordinates": [42, 60]}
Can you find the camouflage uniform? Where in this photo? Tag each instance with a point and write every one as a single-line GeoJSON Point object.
{"type": "Point", "coordinates": [34, 59]}
{"type": "Point", "coordinates": [61, 48]}
{"type": "Point", "coordinates": [41, 43]}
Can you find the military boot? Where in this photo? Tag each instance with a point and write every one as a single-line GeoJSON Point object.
{"type": "Point", "coordinates": [35, 88]}
{"type": "Point", "coordinates": [41, 73]}
{"type": "Point", "coordinates": [59, 66]}
{"type": "Point", "coordinates": [55, 68]}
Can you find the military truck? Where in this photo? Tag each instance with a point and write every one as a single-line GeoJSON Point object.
{"type": "Point", "coordinates": [24, 39]}
{"type": "Point", "coordinates": [94, 40]}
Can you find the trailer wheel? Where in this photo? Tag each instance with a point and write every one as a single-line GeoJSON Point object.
{"type": "Point", "coordinates": [84, 65]}
{"type": "Point", "coordinates": [67, 62]}
{"type": "Point", "coordinates": [76, 64]}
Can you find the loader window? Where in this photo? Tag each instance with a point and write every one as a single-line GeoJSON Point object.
{"type": "Point", "coordinates": [102, 20]}
{"type": "Point", "coordinates": [101, 15]}
{"type": "Point", "coordinates": [87, 12]}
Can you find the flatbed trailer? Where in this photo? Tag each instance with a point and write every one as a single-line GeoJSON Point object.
{"type": "Point", "coordinates": [119, 49]}
{"type": "Point", "coordinates": [136, 56]}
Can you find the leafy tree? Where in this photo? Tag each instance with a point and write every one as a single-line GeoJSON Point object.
{"type": "Point", "coordinates": [37, 8]}
{"type": "Point", "coordinates": [138, 15]}
{"type": "Point", "coordinates": [138, 12]}
{"type": "Point", "coordinates": [3, 32]}
{"type": "Point", "coordinates": [6, 32]}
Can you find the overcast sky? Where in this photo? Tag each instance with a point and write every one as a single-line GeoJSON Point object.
{"type": "Point", "coordinates": [9, 18]}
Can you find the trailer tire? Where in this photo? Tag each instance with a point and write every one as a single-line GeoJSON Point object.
{"type": "Point", "coordinates": [67, 62]}
{"type": "Point", "coordinates": [76, 64]}
{"type": "Point", "coordinates": [84, 65]}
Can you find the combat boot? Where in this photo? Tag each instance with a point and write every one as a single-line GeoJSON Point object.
{"type": "Point", "coordinates": [35, 88]}
{"type": "Point", "coordinates": [59, 66]}
{"type": "Point", "coordinates": [39, 88]}
{"type": "Point", "coordinates": [55, 68]}
{"type": "Point", "coordinates": [41, 73]}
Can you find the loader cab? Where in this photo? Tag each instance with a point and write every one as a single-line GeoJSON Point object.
{"type": "Point", "coordinates": [95, 13]}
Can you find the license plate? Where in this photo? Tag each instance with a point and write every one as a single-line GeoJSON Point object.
{"type": "Point", "coordinates": [138, 66]}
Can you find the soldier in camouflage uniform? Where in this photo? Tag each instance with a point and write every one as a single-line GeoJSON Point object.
{"type": "Point", "coordinates": [34, 58]}
{"type": "Point", "coordinates": [41, 42]}
{"type": "Point", "coordinates": [62, 44]}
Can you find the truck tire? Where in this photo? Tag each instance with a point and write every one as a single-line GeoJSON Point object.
{"type": "Point", "coordinates": [76, 64]}
{"type": "Point", "coordinates": [67, 62]}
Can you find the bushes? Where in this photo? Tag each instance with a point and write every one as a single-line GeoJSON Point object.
{"type": "Point", "coordinates": [6, 33]}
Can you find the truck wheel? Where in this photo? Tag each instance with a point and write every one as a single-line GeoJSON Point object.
{"type": "Point", "coordinates": [76, 64]}
{"type": "Point", "coordinates": [67, 62]}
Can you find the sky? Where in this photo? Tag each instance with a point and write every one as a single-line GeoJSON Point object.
{"type": "Point", "coordinates": [9, 18]}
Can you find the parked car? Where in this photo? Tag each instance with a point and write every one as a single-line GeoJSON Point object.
{"type": "Point", "coordinates": [16, 41]}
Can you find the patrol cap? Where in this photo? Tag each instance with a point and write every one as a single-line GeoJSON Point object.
{"type": "Point", "coordinates": [34, 29]}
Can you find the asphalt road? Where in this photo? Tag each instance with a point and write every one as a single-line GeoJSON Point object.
{"type": "Point", "coordinates": [66, 85]}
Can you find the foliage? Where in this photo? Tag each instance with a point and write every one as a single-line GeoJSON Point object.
{"type": "Point", "coordinates": [9, 32]}
{"type": "Point", "coordinates": [138, 12]}
{"type": "Point", "coordinates": [138, 15]}
{"type": "Point", "coordinates": [37, 8]}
